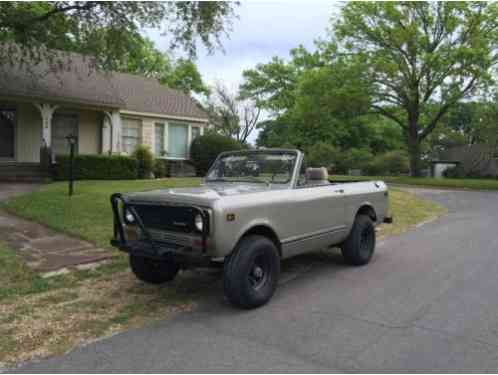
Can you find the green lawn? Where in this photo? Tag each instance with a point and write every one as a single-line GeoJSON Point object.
{"type": "Point", "coordinates": [448, 183]}
{"type": "Point", "coordinates": [87, 213]}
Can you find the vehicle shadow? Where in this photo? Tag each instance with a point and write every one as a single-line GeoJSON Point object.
{"type": "Point", "coordinates": [206, 285]}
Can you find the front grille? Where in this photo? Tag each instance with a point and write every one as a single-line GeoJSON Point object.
{"type": "Point", "coordinates": [175, 238]}
{"type": "Point", "coordinates": [169, 218]}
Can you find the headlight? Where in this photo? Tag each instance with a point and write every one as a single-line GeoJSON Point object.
{"type": "Point", "coordinates": [199, 223]}
{"type": "Point", "coordinates": [128, 216]}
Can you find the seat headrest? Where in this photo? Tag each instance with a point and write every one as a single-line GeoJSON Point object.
{"type": "Point", "coordinates": [317, 174]}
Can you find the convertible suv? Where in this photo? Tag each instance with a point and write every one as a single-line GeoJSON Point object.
{"type": "Point", "coordinates": [254, 209]}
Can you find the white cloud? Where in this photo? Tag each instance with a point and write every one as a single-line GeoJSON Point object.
{"type": "Point", "coordinates": [263, 29]}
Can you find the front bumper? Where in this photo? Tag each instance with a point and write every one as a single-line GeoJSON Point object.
{"type": "Point", "coordinates": [153, 249]}
{"type": "Point", "coordinates": [164, 252]}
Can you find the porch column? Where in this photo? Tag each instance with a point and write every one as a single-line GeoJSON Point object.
{"type": "Point", "coordinates": [46, 111]}
{"type": "Point", "coordinates": [115, 120]}
{"type": "Point", "coordinates": [106, 135]}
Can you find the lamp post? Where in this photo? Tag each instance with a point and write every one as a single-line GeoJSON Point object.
{"type": "Point", "coordinates": [71, 139]}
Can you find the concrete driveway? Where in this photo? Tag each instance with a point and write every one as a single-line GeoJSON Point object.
{"type": "Point", "coordinates": [428, 301]}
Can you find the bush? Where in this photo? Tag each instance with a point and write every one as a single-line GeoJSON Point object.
{"type": "Point", "coordinates": [454, 172]}
{"type": "Point", "coordinates": [391, 163]}
{"type": "Point", "coordinates": [322, 155]}
{"type": "Point", "coordinates": [160, 168]}
{"type": "Point", "coordinates": [145, 161]}
{"type": "Point", "coordinates": [356, 158]}
{"type": "Point", "coordinates": [206, 148]}
{"type": "Point", "coordinates": [96, 167]}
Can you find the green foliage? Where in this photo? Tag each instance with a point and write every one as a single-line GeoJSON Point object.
{"type": "Point", "coordinates": [145, 161]}
{"type": "Point", "coordinates": [103, 30]}
{"type": "Point", "coordinates": [391, 163]}
{"type": "Point", "coordinates": [96, 167]}
{"type": "Point", "coordinates": [322, 155]}
{"type": "Point", "coordinates": [160, 168]}
{"type": "Point", "coordinates": [410, 62]}
{"type": "Point", "coordinates": [206, 148]}
{"type": "Point", "coordinates": [336, 160]}
{"type": "Point", "coordinates": [186, 77]}
{"type": "Point", "coordinates": [467, 123]}
{"type": "Point", "coordinates": [421, 57]}
{"type": "Point", "coordinates": [142, 58]}
{"type": "Point", "coordinates": [454, 172]}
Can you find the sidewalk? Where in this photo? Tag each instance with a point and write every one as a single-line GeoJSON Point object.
{"type": "Point", "coordinates": [43, 249]}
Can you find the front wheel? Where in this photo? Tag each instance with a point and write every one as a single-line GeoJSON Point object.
{"type": "Point", "coordinates": [153, 271]}
{"type": "Point", "coordinates": [359, 247]}
{"type": "Point", "coordinates": [251, 272]}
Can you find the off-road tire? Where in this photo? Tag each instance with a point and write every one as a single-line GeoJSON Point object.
{"type": "Point", "coordinates": [359, 247]}
{"type": "Point", "coordinates": [250, 274]}
{"type": "Point", "coordinates": [153, 271]}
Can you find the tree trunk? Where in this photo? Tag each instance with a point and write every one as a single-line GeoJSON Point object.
{"type": "Point", "coordinates": [414, 150]}
{"type": "Point", "coordinates": [413, 142]}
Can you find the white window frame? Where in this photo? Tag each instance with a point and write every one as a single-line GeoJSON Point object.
{"type": "Point", "coordinates": [164, 151]}
{"type": "Point", "coordinates": [140, 133]}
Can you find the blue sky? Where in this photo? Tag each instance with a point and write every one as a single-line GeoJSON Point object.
{"type": "Point", "coordinates": [264, 29]}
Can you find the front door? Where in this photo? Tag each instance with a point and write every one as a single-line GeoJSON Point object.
{"type": "Point", "coordinates": [63, 125]}
{"type": "Point", "coordinates": [7, 133]}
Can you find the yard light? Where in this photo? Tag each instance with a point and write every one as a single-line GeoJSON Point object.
{"type": "Point", "coordinates": [72, 140]}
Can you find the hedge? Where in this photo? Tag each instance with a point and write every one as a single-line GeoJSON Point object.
{"type": "Point", "coordinates": [206, 148]}
{"type": "Point", "coordinates": [96, 167]}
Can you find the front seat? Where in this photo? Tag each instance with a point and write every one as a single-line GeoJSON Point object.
{"type": "Point", "coordinates": [317, 176]}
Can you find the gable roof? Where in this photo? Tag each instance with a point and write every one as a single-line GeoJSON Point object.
{"type": "Point", "coordinates": [147, 95]}
{"type": "Point", "coordinates": [78, 83]}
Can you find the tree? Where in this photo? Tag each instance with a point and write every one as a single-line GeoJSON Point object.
{"type": "Point", "coordinates": [422, 58]}
{"type": "Point", "coordinates": [31, 32]}
{"type": "Point", "coordinates": [232, 116]}
{"type": "Point", "coordinates": [273, 85]}
{"type": "Point", "coordinates": [142, 58]}
{"type": "Point", "coordinates": [467, 123]}
{"type": "Point", "coordinates": [185, 76]}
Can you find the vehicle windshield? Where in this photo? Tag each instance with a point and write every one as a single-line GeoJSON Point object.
{"type": "Point", "coordinates": [258, 167]}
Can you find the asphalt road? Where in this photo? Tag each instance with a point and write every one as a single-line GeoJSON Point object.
{"type": "Point", "coordinates": [428, 301]}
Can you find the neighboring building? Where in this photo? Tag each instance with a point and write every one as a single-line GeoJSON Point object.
{"type": "Point", "coordinates": [475, 160]}
{"type": "Point", "coordinates": [109, 113]}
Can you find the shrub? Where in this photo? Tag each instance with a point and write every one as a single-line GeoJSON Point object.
{"type": "Point", "coordinates": [322, 155]}
{"type": "Point", "coordinates": [391, 163]}
{"type": "Point", "coordinates": [160, 168]}
{"type": "Point", "coordinates": [206, 148]}
{"type": "Point", "coordinates": [355, 158]}
{"type": "Point", "coordinates": [145, 161]}
{"type": "Point", "coordinates": [454, 172]}
{"type": "Point", "coordinates": [96, 167]}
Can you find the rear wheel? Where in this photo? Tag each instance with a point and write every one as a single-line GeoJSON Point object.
{"type": "Point", "coordinates": [251, 272]}
{"type": "Point", "coordinates": [153, 271]}
{"type": "Point", "coordinates": [359, 247]}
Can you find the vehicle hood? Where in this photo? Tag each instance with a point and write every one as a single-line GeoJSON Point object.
{"type": "Point", "coordinates": [204, 195]}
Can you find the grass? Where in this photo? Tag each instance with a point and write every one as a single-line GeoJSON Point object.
{"type": "Point", "coordinates": [42, 317]}
{"type": "Point", "coordinates": [447, 183]}
{"type": "Point", "coordinates": [408, 210]}
{"type": "Point", "coordinates": [46, 316]}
